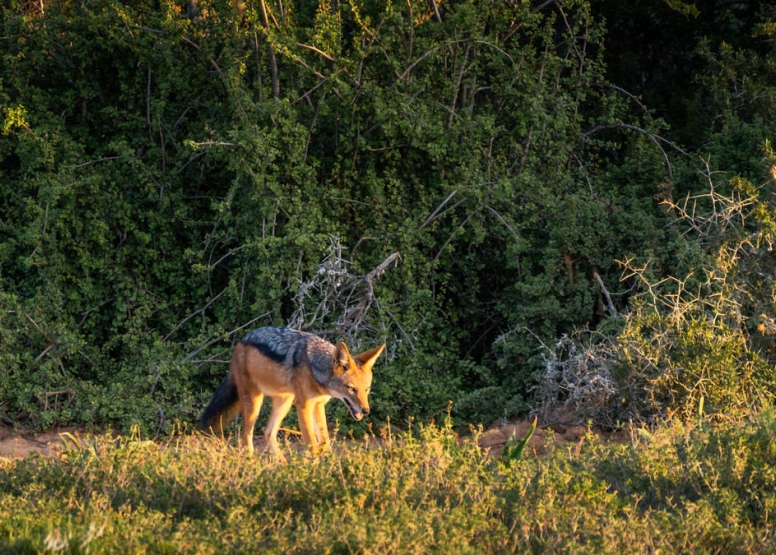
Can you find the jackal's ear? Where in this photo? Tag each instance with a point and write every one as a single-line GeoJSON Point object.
{"type": "Point", "coordinates": [368, 358]}
{"type": "Point", "coordinates": [342, 356]}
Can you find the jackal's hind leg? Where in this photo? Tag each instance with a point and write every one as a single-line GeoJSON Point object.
{"type": "Point", "coordinates": [249, 409]}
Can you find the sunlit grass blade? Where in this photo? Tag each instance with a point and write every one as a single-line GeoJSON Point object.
{"type": "Point", "coordinates": [513, 450]}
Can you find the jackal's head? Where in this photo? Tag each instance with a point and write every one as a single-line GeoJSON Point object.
{"type": "Point", "coordinates": [351, 379]}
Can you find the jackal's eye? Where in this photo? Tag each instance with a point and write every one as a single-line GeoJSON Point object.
{"type": "Point", "coordinates": [351, 390]}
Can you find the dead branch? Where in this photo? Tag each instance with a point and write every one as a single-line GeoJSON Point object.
{"type": "Point", "coordinates": [229, 334]}
{"type": "Point", "coordinates": [334, 289]}
{"type": "Point", "coordinates": [656, 139]}
{"type": "Point", "coordinates": [273, 63]}
{"type": "Point", "coordinates": [434, 216]}
{"type": "Point", "coordinates": [317, 51]}
{"type": "Point", "coordinates": [424, 56]}
{"type": "Point", "coordinates": [458, 86]}
{"type": "Point", "coordinates": [453, 234]}
{"type": "Point", "coordinates": [437, 16]}
{"type": "Point", "coordinates": [607, 297]}
{"type": "Point", "coordinates": [503, 221]}
{"type": "Point", "coordinates": [356, 315]}
{"type": "Point", "coordinates": [190, 316]}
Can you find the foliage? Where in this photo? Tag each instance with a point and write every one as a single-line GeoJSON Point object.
{"type": "Point", "coordinates": [173, 175]}
{"type": "Point", "coordinates": [698, 331]}
{"type": "Point", "coordinates": [702, 336]}
{"type": "Point", "coordinates": [699, 488]}
{"type": "Point", "coordinates": [706, 335]}
{"type": "Point", "coordinates": [701, 68]}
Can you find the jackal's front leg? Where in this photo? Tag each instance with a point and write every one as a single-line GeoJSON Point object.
{"type": "Point", "coordinates": [321, 429]}
{"type": "Point", "coordinates": [307, 426]}
{"type": "Point", "coordinates": [281, 404]}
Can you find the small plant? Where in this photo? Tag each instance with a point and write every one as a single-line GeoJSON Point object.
{"type": "Point", "coordinates": [513, 450]}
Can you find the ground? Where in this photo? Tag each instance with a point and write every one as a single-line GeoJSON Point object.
{"type": "Point", "coordinates": [16, 444]}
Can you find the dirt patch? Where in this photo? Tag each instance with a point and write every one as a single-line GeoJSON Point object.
{"type": "Point", "coordinates": [562, 428]}
{"type": "Point", "coordinates": [495, 438]}
{"type": "Point", "coordinates": [15, 444]}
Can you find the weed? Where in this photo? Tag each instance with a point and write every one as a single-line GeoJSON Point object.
{"type": "Point", "coordinates": [681, 488]}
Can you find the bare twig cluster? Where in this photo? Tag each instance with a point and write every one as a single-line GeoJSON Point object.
{"type": "Point", "coordinates": [577, 377]}
{"type": "Point", "coordinates": [713, 216]}
{"type": "Point", "coordinates": [335, 291]}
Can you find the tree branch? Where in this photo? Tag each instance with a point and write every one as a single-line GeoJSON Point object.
{"type": "Point", "coordinates": [651, 136]}
{"type": "Point", "coordinates": [605, 293]}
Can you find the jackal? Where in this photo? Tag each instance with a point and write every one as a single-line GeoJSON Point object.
{"type": "Point", "coordinates": [290, 367]}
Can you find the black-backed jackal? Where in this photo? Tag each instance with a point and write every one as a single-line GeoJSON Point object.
{"type": "Point", "coordinates": [291, 368]}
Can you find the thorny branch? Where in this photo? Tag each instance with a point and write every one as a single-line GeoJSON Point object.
{"type": "Point", "coordinates": [577, 376]}
{"type": "Point", "coordinates": [336, 290]}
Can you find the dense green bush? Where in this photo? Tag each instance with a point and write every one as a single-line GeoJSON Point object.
{"type": "Point", "coordinates": [451, 183]}
{"type": "Point", "coordinates": [171, 180]}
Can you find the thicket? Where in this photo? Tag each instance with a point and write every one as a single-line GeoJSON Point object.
{"type": "Point", "coordinates": [459, 181]}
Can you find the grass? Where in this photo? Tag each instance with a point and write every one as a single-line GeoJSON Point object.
{"type": "Point", "coordinates": [680, 489]}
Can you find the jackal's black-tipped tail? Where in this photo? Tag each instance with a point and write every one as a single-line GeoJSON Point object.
{"type": "Point", "coordinates": [222, 408]}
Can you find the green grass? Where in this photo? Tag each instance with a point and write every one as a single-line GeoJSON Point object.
{"type": "Point", "coordinates": [677, 489]}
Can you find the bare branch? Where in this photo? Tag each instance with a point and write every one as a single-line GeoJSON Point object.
{"type": "Point", "coordinates": [190, 316]}
{"type": "Point", "coordinates": [426, 55]}
{"type": "Point", "coordinates": [317, 51]}
{"type": "Point", "coordinates": [512, 231]}
{"type": "Point", "coordinates": [453, 234]}
{"type": "Point", "coordinates": [651, 136]}
{"type": "Point", "coordinates": [458, 86]}
{"type": "Point", "coordinates": [433, 215]}
{"type": "Point", "coordinates": [607, 297]}
{"type": "Point", "coordinates": [273, 64]}
{"type": "Point", "coordinates": [437, 16]}
{"type": "Point", "coordinates": [198, 350]}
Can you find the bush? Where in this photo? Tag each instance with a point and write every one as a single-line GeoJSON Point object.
{"type": "Point", "coordinates": [698, 337]}
{"type": "Point", "coordinates": [704, 339]}
{"type": "Point", "coordinates": [179, 178]}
